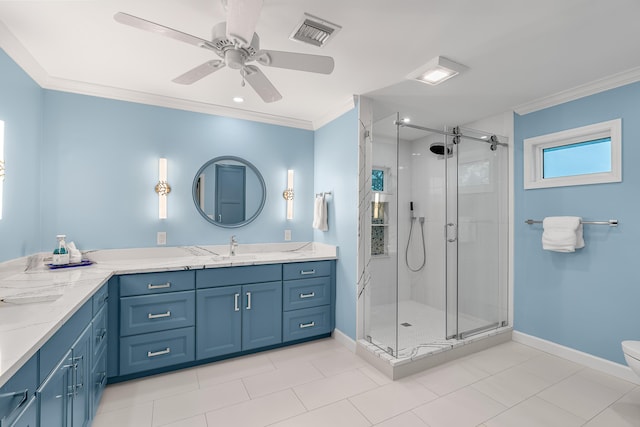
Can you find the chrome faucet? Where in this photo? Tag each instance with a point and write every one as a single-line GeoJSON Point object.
{"type": "Point", "coordinates": [233, 245]}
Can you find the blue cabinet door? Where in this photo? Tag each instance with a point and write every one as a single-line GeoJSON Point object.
{"type": "Point", "coordinates": [55, 394]}
{"type": "Point", "coordinates": [261, 315]}
{"type": "Point", "coordinates": [219, 320]}
{"type": "Point", "coordinates": [81, 387]}
{"type": "Point", "coordinates": [29, 416]}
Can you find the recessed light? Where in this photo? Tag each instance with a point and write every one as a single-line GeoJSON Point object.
{"type": "Point", "coordinates": [406, 120]}
{"type": "Point", "coordinates": [238, 99]}
{"type": "Point", "coordinates": [484, 137]}
{"type": "Point", "coordinates": [436, 71]}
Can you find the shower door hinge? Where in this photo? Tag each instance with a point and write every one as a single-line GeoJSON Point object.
{"type": "Point", "coordinates": [456, 132]}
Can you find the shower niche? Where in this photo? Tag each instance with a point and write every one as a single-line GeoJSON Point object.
{"type": "Point", "coordinates": [434, 254]}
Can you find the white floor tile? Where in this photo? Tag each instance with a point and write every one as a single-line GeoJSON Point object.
{"type": "Point", "coordinates": [623, 413]}
{"type": "Point", "coordinates": [258, 412]}
{"type": "Point", "coordinates": [337, 362]}
{"type": "Point", "coordinates": [465, 407]}
{"type": "Point", "coordinates": [407, 419]}
{"type": "Point", "coordinates": [586, 393]}
{"type": "Point", "coordinates": [187, 405]}
{"type": "Point", "coordinates": [328, 390]}
{"type": "Point", "coordinates": [501, 357]}
{"type": "Point", "coordinates": [535, 412]}
{"type": "Point", "coordinates": [339, 414]}
{"type": "Point", "coordinates": [304, 352]}
{"type": "Point", "coordinates": [392, 399]}
{"type": "Point", "coordinates": [550, 368]}
{"type": "Point", "coordinates": [450, 377]}
{"type": "Point", "coordinates": [197, 421]}
{"type": "Point", "coordinates": [233, 369]}
{"type": "Point", "coordinates": [511, 386]}
{"type": "Point", "coordinates": [131, 416]}
{"type": "Point", "coordinates": [128, 393]}
{"type": "Point", "coordinates": [280, 379]}
{"type": "Point", "coordinates": [377, 376]}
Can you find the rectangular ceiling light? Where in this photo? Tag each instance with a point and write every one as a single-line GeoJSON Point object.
{"type": "Point", "coordinates": [315, 31]}
{"type": "Point", "coordinates": [436, 71]}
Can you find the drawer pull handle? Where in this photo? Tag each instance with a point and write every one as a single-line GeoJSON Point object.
{"type": "Point", "coordinates": [248, 300]}
{"type": "Point", "coordinates": [25, 396]}
{"type": "Point", "coordinates": [307, 272]}
{"type": "Point", "coordinates": [158, 353]}
{"type": "Point", "coordinates": [309, 295]}
{"type": "Point", "coordinates": [236, 306]}
{"type": "Point", "coordinates": [159, 315]}
{"type": "Point", "coordinates": [162, 286]}
{"type": "Point", "coordinates": [307, 325]}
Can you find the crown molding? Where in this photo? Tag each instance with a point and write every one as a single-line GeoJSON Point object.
{"type": "Point", "coordinates": [341, 108]}
{"type": "Point", "coordinates": [596, 86]}
{"type": "Point", "coordinates": [16, 51]}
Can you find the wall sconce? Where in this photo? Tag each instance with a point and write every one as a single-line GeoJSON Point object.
{"type": "Point", "coordinates": [288, 194]}
{"type": "Point", "coordinates": [162, 188]}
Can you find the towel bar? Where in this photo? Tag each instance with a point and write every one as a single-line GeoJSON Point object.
{"type": "Point", "coordinates": [611, 222]}
{"type": "Point", "coordinates": [324, 193]}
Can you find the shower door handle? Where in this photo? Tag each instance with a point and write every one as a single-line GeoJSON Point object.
{"type": "Point", "coordinates": [448, 227]}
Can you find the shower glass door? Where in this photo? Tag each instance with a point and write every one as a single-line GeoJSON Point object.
{"type": "Point", "coordinates": [476, 234]}
{"type": "Point", "coordinates": [381, 282]}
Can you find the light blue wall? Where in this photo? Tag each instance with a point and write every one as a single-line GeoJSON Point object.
{"type": "Point", "coordinates": [21, 110]}
{"type": "Point", "coordinates": [102, 165]}
{"type": "Point", "coordinates": [588, 300]}
{"type": "Point", "coordinates": [336, 160]}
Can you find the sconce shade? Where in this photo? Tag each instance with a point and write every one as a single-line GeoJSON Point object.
{"type": "Point", "coordinates": [288, 194]}
{"type": "Point", "coordinates": [162, 188]}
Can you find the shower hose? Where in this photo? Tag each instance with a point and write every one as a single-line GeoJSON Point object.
{"type": "Point", "coordinates": [424, 249]}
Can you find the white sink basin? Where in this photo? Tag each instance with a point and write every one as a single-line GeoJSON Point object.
{"type": "Point", "coordinates": [237, 257]}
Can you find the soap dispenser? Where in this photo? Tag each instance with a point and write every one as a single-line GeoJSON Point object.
{"type": "Point", "coordinates": [61, 253]}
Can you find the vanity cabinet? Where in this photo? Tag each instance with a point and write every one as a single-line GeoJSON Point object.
{"type": "Point", "coordinates": [307, 300]}
{"type": "Point", "coordinates": [238, 309]}
{"type": "Point", "coordinates": [157, 319]}
{"type": "Point", "coordinates": [17, 400]}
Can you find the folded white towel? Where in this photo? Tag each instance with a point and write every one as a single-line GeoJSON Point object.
{"type": "Point", "coordinates": [320, 214]}
{"type": "Point", "coordinates": [562, 233]}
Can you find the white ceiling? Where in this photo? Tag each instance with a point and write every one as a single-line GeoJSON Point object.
{"type": "Point", "coordinates": [517, 51]}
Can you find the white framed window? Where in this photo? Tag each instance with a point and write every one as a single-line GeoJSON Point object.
{"type": "Point", "coordinates": [586, 155]}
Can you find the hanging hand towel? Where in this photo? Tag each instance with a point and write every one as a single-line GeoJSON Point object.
{"type": "Point", "coordinates": [320, 213]}
{"type": "Point", "coordinates": [562, 233]}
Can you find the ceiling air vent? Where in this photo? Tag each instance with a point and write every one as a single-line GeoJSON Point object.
{"type": "Point", "coordinates": [313, 30]}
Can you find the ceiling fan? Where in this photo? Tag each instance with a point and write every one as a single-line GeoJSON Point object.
{"type": "Point", "coordinates": [237, 44]}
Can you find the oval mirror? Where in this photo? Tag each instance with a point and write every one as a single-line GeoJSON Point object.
{"type": "Point", "coordinates": [229, 191]}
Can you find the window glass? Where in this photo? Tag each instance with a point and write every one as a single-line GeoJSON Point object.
{"type": "Point", "coordinates": [577, 159]}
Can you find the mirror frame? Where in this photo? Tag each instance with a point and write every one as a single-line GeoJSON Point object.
{"type": "Point", "coordinates": [245, 163]}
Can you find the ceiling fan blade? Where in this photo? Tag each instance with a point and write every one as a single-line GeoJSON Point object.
{"type": "Point", "coordinates": [261, 84]}
{"type": "Point", "coordinates": [143, 24]}
{"type": "Point", "coordinates": [199, 72]}
{"type": "Point", "coordinates": [296, 61]}
{"type": "Point", "coordinates": [242, 18]}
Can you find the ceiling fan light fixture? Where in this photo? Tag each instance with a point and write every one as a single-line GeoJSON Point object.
{"type": "Point", "coordinates": [314, 31]}
{"type": "Point", "coordinates": [436, 71]}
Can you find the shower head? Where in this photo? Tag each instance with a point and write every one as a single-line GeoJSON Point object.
{"type": "Point", "coordinates": [438, 149]}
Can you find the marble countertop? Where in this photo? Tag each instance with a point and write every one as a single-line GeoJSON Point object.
{"type": "Point", "coordinates": [36, 301]}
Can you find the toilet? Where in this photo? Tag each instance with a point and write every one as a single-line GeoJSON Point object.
{"type": "Point", "coordinates": [631, 350]}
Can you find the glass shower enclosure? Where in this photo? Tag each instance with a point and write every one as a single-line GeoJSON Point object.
{"type": "Point", "coordinates": [437, 233]}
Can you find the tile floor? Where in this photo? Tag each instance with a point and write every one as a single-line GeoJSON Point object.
{"type": "Point", "coordinates": [323, 384]}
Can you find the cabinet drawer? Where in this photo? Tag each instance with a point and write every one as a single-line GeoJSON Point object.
{"type": "Point", "coordinates": [306, 293]}
{"type": "Point", "coordinates": [100, 298]}
{"type": "Point", "coordinates": [156, 283]}
{"type": "Point", "coordinates": [156, 350]}
{"type": "Point", "coordinates": [99, 332]}
{"type": "Point", "coordinates": [303, 270]}
{"type": "Point", "coordinates": [150, 313]}
{"type": "Point", "coordinates": [306, 323]}
{"type": "Point", "coordinates": [98, 380]}
{"type": "Point", "coordinates": [16, 391]}
{"type": "Point", "coordinates": [224, 276]}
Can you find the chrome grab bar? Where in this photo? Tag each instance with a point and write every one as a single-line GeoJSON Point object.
{"type": "Point", "coordinates": [162, 286]}
{"type": "Point", "coordinates": [159, 315]}
{"type": "Point", "coordinates": [158, 353]}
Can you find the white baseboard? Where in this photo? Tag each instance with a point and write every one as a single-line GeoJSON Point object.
{"type": "Point", "coordinates": [586, 359]}
{"type": "Point", "coordinates": [344, 339]}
